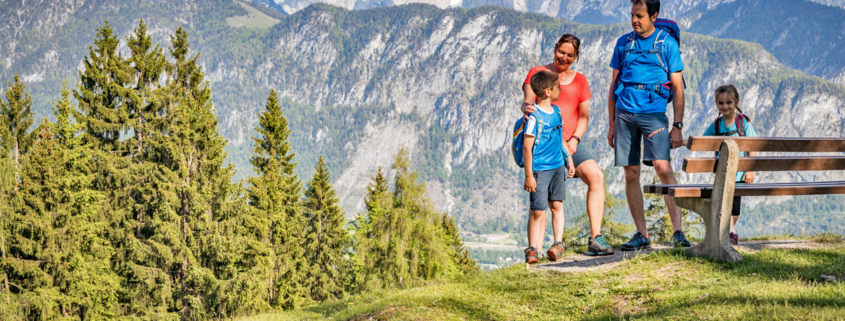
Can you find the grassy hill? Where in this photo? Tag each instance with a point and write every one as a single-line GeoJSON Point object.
{"type": "Point", "coordinates": [772, 284]}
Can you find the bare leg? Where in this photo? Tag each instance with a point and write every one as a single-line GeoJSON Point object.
{"type": "Point", "coordinates": [734, 218]}
{"type": "Point", "coordinates": [634, 194]}
{"type": "Point", "coordinates": [557, 219]}
{"type": "Point", "coordinates": [536, 228]}
{"type": "Point", "coordinates": [667, 176]}
{"type": "Point", "coordinates": [591, 174]}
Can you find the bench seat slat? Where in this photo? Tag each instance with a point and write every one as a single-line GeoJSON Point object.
{"type": "Point", "coordinates": [768, 163]}
{"type": "Point", "coordinates": [770, 189]}
{"type": "Point", "coordinates": [768, 144]}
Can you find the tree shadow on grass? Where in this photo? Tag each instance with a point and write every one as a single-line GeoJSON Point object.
{"type": "Point", "coordinates": [698, 308]}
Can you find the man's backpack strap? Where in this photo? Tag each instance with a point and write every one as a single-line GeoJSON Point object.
{"type": "Point", "coordinates": [658, 49]}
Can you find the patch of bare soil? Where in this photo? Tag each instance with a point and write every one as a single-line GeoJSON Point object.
{"type": "Point", "coordinates": [625, 304]}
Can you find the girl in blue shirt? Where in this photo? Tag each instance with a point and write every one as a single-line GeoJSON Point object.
{"type": "Point", "coordinates": [727, 102]}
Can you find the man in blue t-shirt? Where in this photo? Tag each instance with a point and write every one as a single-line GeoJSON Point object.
{"type": "Point", "coordinates": [640, 91]}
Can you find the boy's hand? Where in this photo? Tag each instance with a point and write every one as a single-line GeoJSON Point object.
{"type": "Point", "coordinates": [610, 137]}
{"type": "Point", "coordinates": [749, 177]}
{"type": "Point", "coordinates": [530, 184]}
{"type": "Point", "coordinates": [571, 167]}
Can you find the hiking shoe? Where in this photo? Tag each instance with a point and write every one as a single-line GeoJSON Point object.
{"type": "Point", "coordinates": [734, 238]}
{"type": "Point", "coordinates": [637, 242]}
{"type": "Point", "coordinates": [679, 239]}
{"type": "Point", "coordinates": [531, 255]}
{"type": "Point", "coordinates": [598, 246]}
{"type": "Point", "coordinates": [555, 250]}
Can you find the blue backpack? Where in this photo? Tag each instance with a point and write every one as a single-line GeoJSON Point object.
{"type": "Point", "coordinates": [664, 28]}
{"type": "Point", "coordinates": [519, 135]}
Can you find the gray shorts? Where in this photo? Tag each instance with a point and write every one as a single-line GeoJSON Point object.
{"type": "Point", "coordinates": [582, 154]}
{"type": "Point", "coordinates": [631, 129]}
{"type": "Point", "coordinates": [551, 186]}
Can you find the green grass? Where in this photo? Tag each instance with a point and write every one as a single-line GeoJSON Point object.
{"type": "Point", "coordinates": [255, 19]}
{"type": "Point", "coordinates": [770, 284]}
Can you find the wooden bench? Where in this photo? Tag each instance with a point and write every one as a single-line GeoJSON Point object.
{"type": "Point", "coordinates": [713, 202]}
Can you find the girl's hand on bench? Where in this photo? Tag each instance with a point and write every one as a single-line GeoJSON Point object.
{"type": "Point", "coordinates": [748, 178]}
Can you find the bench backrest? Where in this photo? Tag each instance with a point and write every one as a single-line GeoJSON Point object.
{"type": "Point", "coordinates": [768, 163]}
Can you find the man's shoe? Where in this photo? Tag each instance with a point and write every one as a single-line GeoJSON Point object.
{"type": "Point", "coordinates": [679, 239]}
{"type": "Point", "coordinates": [598, 246]}
{"type": "Point", "coordinates": [734, 238]}
{"type": "Point", "coordinates": [531, 255]}
{"type": "Point", "coordinates": [637, 242]}
{"type": "Point", "coordinates": [555, 250]}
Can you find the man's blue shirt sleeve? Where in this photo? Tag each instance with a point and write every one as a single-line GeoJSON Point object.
{"type": "Point", "coordinates": [673, 55]}
{"type": "Point", "coordinates": [614, 61]}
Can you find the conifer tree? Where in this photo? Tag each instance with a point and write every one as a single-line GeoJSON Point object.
{"type": "Point", "coordinates": [407, 244]}
{"type": "Point", "coordinates": [275, 193]}
{"type": "Point", "coordinates": [16, 119]}
{"type": "Point", "coordinates": [378, 202]}
{"type": "Point", "coordinates": [452, 237]}
{"type": "Point", "coordinates": [326, 238]}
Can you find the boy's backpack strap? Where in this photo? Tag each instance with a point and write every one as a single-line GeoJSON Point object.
{"type": "Point", "coordinates": [539, 119]}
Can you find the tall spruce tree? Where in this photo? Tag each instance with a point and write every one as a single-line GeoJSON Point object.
{"type": "Point", "coordinates": [16, 119]}
{"type": "Point", "coordinates": [83, 272]}
{"type": "Point", "coordinates": [367, 246]}
{"type": "Point", "coordinates": [275, 193]}
{"type": "Point", "coordinates": [326, 238]}
{"type": "Point", "coordinates": [145, 243]}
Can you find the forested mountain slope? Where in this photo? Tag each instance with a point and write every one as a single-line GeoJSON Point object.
{"type": "Point", "coordinates": [805, 36]}
{"type": "Point", "coordinates": [358, 85]}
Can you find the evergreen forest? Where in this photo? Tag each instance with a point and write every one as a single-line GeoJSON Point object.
{"type": "Point", "coordinates": [125, 205]}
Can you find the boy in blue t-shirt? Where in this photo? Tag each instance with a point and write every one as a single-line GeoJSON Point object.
{"type": "Point", "coordinates": [727, 102]}
{"type": "Point", "coordinates": [545, 175]}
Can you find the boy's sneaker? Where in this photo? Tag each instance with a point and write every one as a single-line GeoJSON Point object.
{"type": "Point", "coordinates": [637, 242]}
{"type": "Point", "coordinates": [678, 239]}
{"type": "Point", "coordinates": [734, 238]}
{"type": "Point", "coordinates": [598, 246]}
{"type": "Point", "coordinates": [531, 255]}
{"type": "Point", "coordinates": [555, 250]}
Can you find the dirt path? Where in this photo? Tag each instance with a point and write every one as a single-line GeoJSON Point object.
{"type": "Point", "coordinates": [581, 263]}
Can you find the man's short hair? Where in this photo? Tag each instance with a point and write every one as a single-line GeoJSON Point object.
{"type": "Point", "coordinates": [652, 6]}
{"type": "Point", "coordinates": [543, 80]}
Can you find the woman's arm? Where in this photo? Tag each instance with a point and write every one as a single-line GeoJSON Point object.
{"type": "Point", "coordinates": [528, 100]}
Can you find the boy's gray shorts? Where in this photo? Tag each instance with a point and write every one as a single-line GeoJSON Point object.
{"type": "Point", "coordinates": [551, 186]}
{"type": "Point", "coordinates": [630, 130]}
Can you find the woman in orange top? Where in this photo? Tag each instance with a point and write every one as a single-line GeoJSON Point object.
{"type": "Point", "coordinates": [574, 103]}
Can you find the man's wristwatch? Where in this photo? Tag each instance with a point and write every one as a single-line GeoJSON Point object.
{"type": "Point", "coordinates": [678, 125]}
{"type": "Point", "coordinates": [576, 138]}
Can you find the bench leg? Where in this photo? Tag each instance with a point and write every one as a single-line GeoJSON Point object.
{"type": "Point", "coordinates": [717, 211]}
{"type": "Point", "coordinates": [716, 243]}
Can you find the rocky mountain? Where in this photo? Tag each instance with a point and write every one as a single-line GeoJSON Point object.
{"type": "Point", "coordinates": [359, 85]}
{"type": "Point", "coordinates": [769, 23]}
{"type": "Point", "coordinates": [592, 12]}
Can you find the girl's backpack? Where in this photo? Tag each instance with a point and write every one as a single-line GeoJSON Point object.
{"type": "Point", "coordinates": [519, 134]}
{"type": "Point", "coordinates": [740, 126]}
